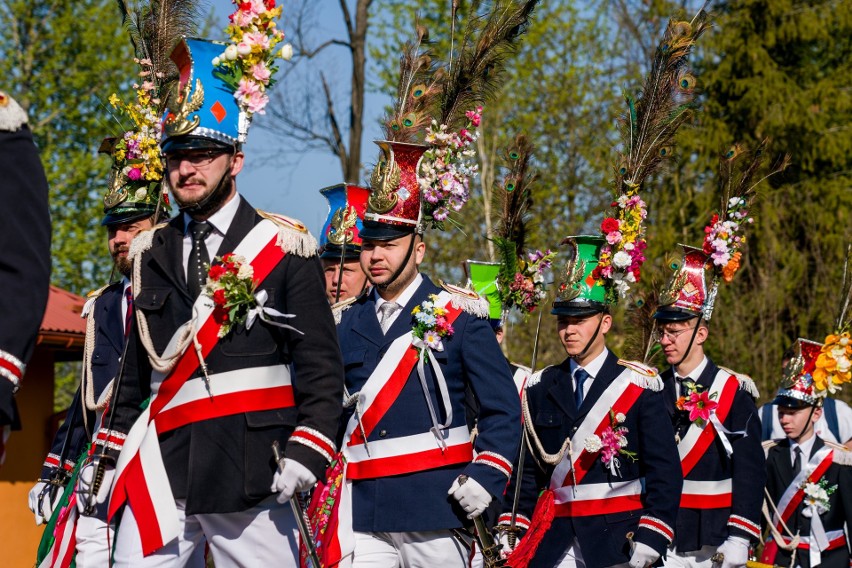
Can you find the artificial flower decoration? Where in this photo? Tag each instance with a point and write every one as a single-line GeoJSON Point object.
{"type": "Point", "coordinates": [447, 168]}
{"type": "Point", "coordinates": [527, 289]}
{"type": "Point", "coordinates": [430, 324]}
{"type": "Point", "coordinates": [623, 254]}
{"type": "Point", "coordinates": [248, 63]}
{"type": "Point", "coordinates": [611, 443]}
{"type": "Point", "coordinates": [834, 364]}
{"type": "Point", "coordinates": [724, 237]}
{"type": "Point", "coordinates": [230, 283]}
{"type": "Point", "coordinates": [699, 404]}
{"type": "Point", "coordinates": [817, 495]}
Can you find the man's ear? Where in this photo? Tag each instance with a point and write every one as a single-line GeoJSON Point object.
{"type": "Point", "coordinates": [419, 251]}
{"type": "Point", "coordinates": [702, 334]}
{"type": "Point", "coordinates": [606, 323]}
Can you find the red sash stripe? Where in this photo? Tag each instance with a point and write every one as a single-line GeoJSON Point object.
{"type": "Point", "coordinates": [409, 463]}
{"type": "Point", "coordinates": [143, 508]}
{"type": "Point", "coordinates": [726, 402]}
{"type": "Point", "coordinates": [591, 507]}
{"type": "Point", "coordinates": [722, 501]}
{"type": "Point", "coordinates": [821, 468]}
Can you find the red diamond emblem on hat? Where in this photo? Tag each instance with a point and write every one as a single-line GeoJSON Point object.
{"type": "Point", "coordinates": [218, 111]}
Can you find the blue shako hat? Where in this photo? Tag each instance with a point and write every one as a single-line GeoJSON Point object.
{"type": "Point", "coordinates": [203, 112]}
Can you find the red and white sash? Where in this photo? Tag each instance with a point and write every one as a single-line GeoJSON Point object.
{"type": "Point", "coordinates": [176, 401]}
{"type": "Point", "coordinates": [619, 397]}
{"type": "Point", "coordinates": [395, 456]}
{"type": "Point", "coordinates": [715, 494]}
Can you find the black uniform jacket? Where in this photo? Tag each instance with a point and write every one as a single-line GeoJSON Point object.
{"type": "Point", "coordinates": [779, 476]}
{"type": "Point", "coordinates": [225, 464]}
{"type": "Point", "coordinates": [710, 527]}
{"type": "Point", "coordinates": [602, 538]}
{"type": "Point", "coordinates": [107, 351]}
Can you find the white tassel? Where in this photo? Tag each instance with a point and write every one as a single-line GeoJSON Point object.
{"type": "Point", "coordinates": [842, 455]}
{"type": "Point", "coordinates": [535, 378]}
{"type": "Point", "coordinates": [12, 116]}
{"type": "Point", "coordinates": [143, 241]}
{"type": "Point", "coordinates": [467, 300]}
{"type": "Point", "coordinates": [293, 236]}
{"type": "Point", "coordinates": [643, 375]}
{"type": "Point", "coordinates": [746, 382]}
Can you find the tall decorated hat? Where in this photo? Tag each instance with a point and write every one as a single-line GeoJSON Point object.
{"type": "Point", "coordinates": [427, 159]}
{"type": "Point", "coordinates": [483, 279]}
{"type": "Point", "coordinates": [687, 294]}
{"type": "Point", "coordinates": [691, 292]}
{"type": "Point", "coordinates": [578, 292]}
{"type": "Point", "coordinates": [797, 388]}
{"type": "Point", "coordinates": [223, 85]}
{"type": "Point", "coordinates": [341, 233]}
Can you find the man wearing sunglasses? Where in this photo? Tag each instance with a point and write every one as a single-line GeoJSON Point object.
{"type": "Point", "coordinates": [716, 427]}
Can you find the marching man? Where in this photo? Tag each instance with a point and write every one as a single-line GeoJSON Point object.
{"type": "Point", "coordinates": [232, 348]}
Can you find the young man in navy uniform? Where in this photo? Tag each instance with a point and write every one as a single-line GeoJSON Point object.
{"type": "Point", "coordinates": [24, 256]}
{"type": "Point", "coordinates": [604, 450]}
{"type": "Point", "coordinates": [205, 392]}
{"type": "Point", "coordinates": [721, 461]}
{"type": "Point", "coordinates": [414, 476]}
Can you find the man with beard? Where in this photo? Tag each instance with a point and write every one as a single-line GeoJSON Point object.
{"type": "Point", "coordinates": [109, 312]}
{"type": "Point", "coordinates": [207, 388]}
{"type": "Point", "coordinates": [411, 350]}
{"type": "Point", "coordinates": [24, 262]}
{"type": "Point", "coordinates": [716, 428]}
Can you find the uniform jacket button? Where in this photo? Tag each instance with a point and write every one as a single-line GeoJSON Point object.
{"type": "Point", "coordinates": [383, 434]}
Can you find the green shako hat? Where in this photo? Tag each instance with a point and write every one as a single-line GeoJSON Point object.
{"type": "Point", "coordinates": [483, 279]}
{"type": "Point", "coordinates": [578, 293]}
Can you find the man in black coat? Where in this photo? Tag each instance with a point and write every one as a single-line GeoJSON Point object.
{"type": "Point", "coordinates": [809, 480]}
{"type": "Point", "coordinates": [206, 390]}
{"type": "Point", "coordinates": [24, 256]}
{"type": "Point", "coordinates": [716, 426]}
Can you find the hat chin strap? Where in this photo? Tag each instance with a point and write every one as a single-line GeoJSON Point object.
{"type": "Point", "coordinates": [588, 346]}
{"type": "Point", "coordinates": [691, 341]}
{"type": "Point", "coordinates": [200, 206]}
{"type": "Point", "coordinates": [401, 267]}
{"type": "Point", "coordinates": [807, 422]}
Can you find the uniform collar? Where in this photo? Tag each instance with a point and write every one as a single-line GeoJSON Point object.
{"type": "Point", "coordinates": [220, 220]}
{"type": "Point", "coordinates": [403, 298]}
{"type": "Point", "coordinates": [594, 367]}
{"type": "Point", "coordinates": [695, 373]}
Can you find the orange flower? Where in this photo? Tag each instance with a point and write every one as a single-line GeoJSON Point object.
{"type": "Point", "coordinates": [731, 268]}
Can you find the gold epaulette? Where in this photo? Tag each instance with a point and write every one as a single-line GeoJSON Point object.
{"type": "Point", "coordinates": [768, 445]}
{"type": "Point", "coordinates": [746, 382]}
{"type": "Point", "coordinates": [467, 300]}
{"type": "Point", "coordinates": [293, 235]}
{"type": "Point", "coordinates": [842, 455]}
{"type": "Point", "coordinates": [92, 297]}
{"type": "Point", "coordinates": [643, 375]}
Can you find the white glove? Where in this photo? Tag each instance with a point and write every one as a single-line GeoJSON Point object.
{"type": "Point", "coordinates": [735, 552]}
{"type": "Point", "coordinates": [643, 556]}
{"type": "Point", "coordinates": [43, 513]}
{"type": "Point", "coordinates": [506, 548]}
{"type": "Point", "coordinates": [84, 485]}
{"type": "Point", "coordinates": [291, 477]}
{"type": "Point", "coordinates": [472, 497]}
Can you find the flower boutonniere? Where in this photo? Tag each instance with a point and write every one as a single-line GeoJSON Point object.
{"type": "Point", "coordinates": [817, 496]}
{"type": "Point", "coordinates": [698, 403]}
{"type": "Point", "coordinates": [230, 283]}
{"type": "Point", "coordinates": [611, 442]}
{"type": "Point", "coordinates": [431, 325]}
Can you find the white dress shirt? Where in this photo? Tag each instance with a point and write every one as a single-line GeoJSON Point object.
{"type": "Point", "coordinates": [220, 221]}
{"type": "Point", "coordinates": [806, 447]}
{"type": "Point", "coordinates": [593, 368]}
{"type": "Point", "coordinates": [402, 300]}
{"type": "Point", "coordinates": [692, 375]}
{"type": "Point", "coordinates": [125, 285]}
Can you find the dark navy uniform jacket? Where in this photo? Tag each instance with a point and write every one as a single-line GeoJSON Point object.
{"type": "Point", "coordinates": [602, 538]}
{"type": "Point", "coordinates": [24, 259]}
{"type": "Point", "coordinates": [471, 357]}
{"type": "Point", "coordinates": [225, 464]}
{"type": "Point", "coordinates": [106, 355]}
{"type": "Point", "coordinates": [710, 527]}
{"type": "Point", "coordinates": [779, 476]}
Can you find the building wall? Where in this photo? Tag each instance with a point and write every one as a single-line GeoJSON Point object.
{"type": "Point", "coordinates": [19, 535]}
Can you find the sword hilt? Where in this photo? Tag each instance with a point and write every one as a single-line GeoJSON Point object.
{"type": "Point", "coordinates": [490, 548]}
{"type": "Point", "coordinates": [99, 462]}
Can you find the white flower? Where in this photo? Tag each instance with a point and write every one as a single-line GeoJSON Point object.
{"type": "Point", "coordinates": [231, 52]}
{"type": "Point", "coordinates": [844, 341]}
{"type": "Point", "coordinates": [216, 61]}
{"type": "Point", "coordinates": [286, 52]}
{"type": "Point", "coordinates": [243, 48]}
{"type": "Point", "coordinates": [628, 246]}
{"type": "Point", "coordinates": [245, 272]}
{"type": "Point", "coordinates": [621, 259]}
{"type": "Point", "coordinates": [620, 418]}
{"type": "Point", "coordinates": [733, 202]}
{"type": "Point", "coordinates": [593, 443]}
{"type": "Point", "coordinates": [843, 364]}
{"type": "Point", "coordinates": [140, 194]}
{"type": "Point", "coordinates": [622, 441]}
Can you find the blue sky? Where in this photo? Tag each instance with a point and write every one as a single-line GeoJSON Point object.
{"type": "Point", "coordinates": [278, 176]}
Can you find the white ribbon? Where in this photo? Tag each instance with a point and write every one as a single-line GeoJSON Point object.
{"type": "Point", "coordinates": [615, 467]}
{"type": "Point", "coordinates": [819, 540]}
{"type": "Point", "coordinates": [721, 430]}
{"type": "Point", "coordinates": [426, 350]}
{"type": "Point", "coordinates": [259, 311]}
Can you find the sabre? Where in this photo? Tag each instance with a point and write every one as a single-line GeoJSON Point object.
{"type": "Point", "coordinates": [59, 478]}
{"type": "Point", "coordinates": [490, 548]}
{"type": "Point", "coordinates": [304, 530]}
{"type": "Point", "coordinates": [513, 527]}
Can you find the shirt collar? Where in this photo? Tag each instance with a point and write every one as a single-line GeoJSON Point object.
{"type": "Point", "coordinates": [695, 373]}
{"type": "Point", "coordinates": [806, 446]}
{"type": "Point", "coordinates": [125, 284]}
{"type": "Point", "coordinates": [403, 298]}
{"type": "Point", "coordinates": [220, 220]}
{"type": "Point", "coordinates": [594, 367]}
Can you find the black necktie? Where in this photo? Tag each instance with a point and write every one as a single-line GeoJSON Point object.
{"type": "Point", "coordinates": [196, 271]}
{"type": "Point", "coordinates": [797, 463]}
{"type": "Point", "coordinates": [580, 376]}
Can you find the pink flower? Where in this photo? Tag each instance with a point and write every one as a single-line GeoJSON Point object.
{"type": "Point", "coordinates": [257, 39]}
{"type": "Point", "coordinates": [613, 237]}
{"type": "Point", "coordinates": [260, 72]}
{"type": "Point", "coordinates": [474, 116]}
{"type": "Point", "coordinates": [134, 174]}
{"type": "Point", "coordinates": [251, 95]}
{"type": "Point", "coordinates": [440, 214]}
{"type": "Point", "coordinates": [699, 406]}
